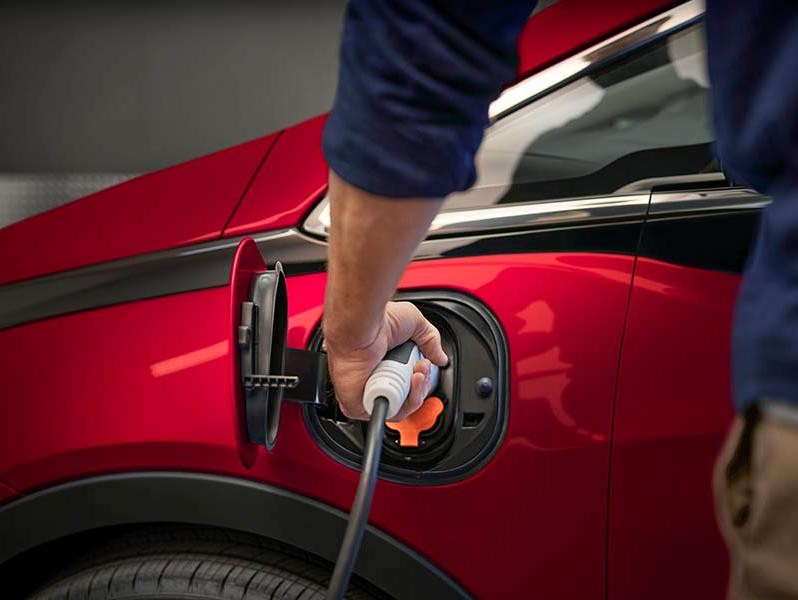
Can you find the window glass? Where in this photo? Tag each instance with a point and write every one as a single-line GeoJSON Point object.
{"type": "Point", "coordinates": [646, 115]}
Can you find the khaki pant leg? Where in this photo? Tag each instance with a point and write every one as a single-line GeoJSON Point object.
{"type": "Point", "coordinates": [756, 493]}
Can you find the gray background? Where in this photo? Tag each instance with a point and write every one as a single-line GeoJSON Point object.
{"type": "Point", "coordinates": [95, 93]}
{"type": "Point", "coordinates": [136, 85]}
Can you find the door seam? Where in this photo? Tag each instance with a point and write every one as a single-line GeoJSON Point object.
{"type": "Point", "coordinates": [615, 400]}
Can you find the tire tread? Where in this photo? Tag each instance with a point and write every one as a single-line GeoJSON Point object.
{"type": "Point", "coordinates": [192, 563]}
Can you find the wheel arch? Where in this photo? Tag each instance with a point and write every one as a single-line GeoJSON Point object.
{"type": "Point", "coordinates": [145, 498]}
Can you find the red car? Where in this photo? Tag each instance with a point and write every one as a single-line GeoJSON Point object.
{"type": "Point", "coordinates": [584, 290]}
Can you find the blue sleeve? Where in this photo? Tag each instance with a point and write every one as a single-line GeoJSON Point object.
{"type": "Point", "coordinates": [416, 78]}
{"type": "Point", "coordinates": [753, 65]}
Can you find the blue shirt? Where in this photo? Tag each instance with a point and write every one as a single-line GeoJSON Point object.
{"type": "Point", "coordinates": [416, 79]}
{"type": "Point", "coordinates": [415, 82]}
{"type": "Point", "coordinates": [753, 67]}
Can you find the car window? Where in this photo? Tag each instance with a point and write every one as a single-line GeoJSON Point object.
{"type": "Point", "coordinates": [645, 115]}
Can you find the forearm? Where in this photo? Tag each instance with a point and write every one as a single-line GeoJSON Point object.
{"type": "Point", "coordinates": [415, 82]}
{"type": "Point", "coordinates": [372, 238]}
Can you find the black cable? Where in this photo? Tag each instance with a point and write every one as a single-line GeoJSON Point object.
{"type": "Point", "coordinates": [359, 515]}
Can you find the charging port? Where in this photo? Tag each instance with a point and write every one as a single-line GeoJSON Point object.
{"type": "Point", "coordinates": [425, 419]}
{"type": "Point", "coordinates": [460, 426]}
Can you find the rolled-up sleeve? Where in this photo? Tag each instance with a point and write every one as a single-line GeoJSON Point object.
{"type": "Point", "coordinates": [416, 79]}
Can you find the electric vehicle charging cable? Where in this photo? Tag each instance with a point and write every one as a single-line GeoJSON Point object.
{"type": "Point", "coordinates": [385, 392]}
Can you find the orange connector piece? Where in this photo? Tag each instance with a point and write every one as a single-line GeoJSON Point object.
{"type": "Point", "coordinates": [420, 421]}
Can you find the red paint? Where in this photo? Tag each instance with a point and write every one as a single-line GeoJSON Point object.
{"type": "Point", "coordinates": [568, 26]}
{"type": "Point", "coordinates": [184, 204]}
{"type": "Point", "coordinates": [673, 409]}
{"type": "Point", "coordinates": [115, 400]}
{"type": "Point", "coordinates": [119, 393]}
{"type": "Point", "coordinates": [7, 493]}
{"type": "Point", "coordinates": [292, 179]}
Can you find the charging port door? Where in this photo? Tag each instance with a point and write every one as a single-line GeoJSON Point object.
{"type": "Point", "coordinates": [269, 372]}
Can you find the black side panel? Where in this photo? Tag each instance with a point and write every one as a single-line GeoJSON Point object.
{"type": "Point", "coordinates": [719, 242]}
{"type": "Point", "coordinates": [219, 502]}
{"type": "Point", "coordinates": [207, 265]}
{"type": "Point", "coordinates": [615, 238]}
{"type": "Point", "coordinates": [182, 269]}
{"type": "Point", "coordinates": [147, 276]}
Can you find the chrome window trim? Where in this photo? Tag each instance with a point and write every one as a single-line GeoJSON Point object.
{"type": "Point", "coordinates": [579, 210]}
{"type": "Point", "coordinates": [537, 214]}
{"type": "Point", "coordinates": [512, 216]}
{"type": "Point", "coordinates": [573, 211]}
{"type": "Point", "coordinates": [573, 67]}
{"type": "Point", "coordinates": [628, 202]}
{"type": "Point", "coordinates": [699, 180]}
{"type": "Point", "coordinates": [698, 201]}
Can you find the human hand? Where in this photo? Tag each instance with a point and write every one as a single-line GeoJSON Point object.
{"type": "Point", "coordinates": [350, 366]}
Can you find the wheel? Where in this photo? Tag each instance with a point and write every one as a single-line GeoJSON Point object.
{"type": "Point", "coordinates": [189, 563]}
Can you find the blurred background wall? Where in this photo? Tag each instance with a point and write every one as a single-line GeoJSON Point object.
{"type": "Point", "coordinates": [93, 92]}
{"type": "Point", "coordinates": [96, 92]}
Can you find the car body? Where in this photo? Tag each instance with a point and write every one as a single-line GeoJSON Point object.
{"type": "Point", "coordinates": [606, 252]}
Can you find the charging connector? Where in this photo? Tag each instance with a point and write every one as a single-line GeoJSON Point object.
{"type": "Point", "coordinates": [359, 515]}
{"type": "Point", "coordinates": [391, 378]}
{"type": "Point", "coordinates": [385, 392]}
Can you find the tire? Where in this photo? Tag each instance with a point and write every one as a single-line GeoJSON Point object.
{"type": "Point", "coordinates": [197, 564]}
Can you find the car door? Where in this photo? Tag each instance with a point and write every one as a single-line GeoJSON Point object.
{"type": "Point", "coordinates": [674, 400]}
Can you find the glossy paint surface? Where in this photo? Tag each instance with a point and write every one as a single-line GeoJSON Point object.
{"type": "Point", "coordinates": [184, 204]}
{"type": "Point", "coordinates": [7, 493]}
{"type": "Point", "coordinates": [291, 180]}
{"type": "Point", "coordinates": [568, 26]}
{"type": "Point", "coordinates": [140, 383]}
{"type": "Point", "coordinates": [150, 385]}
{"type": "Point", "coordinates": [673, 410]}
